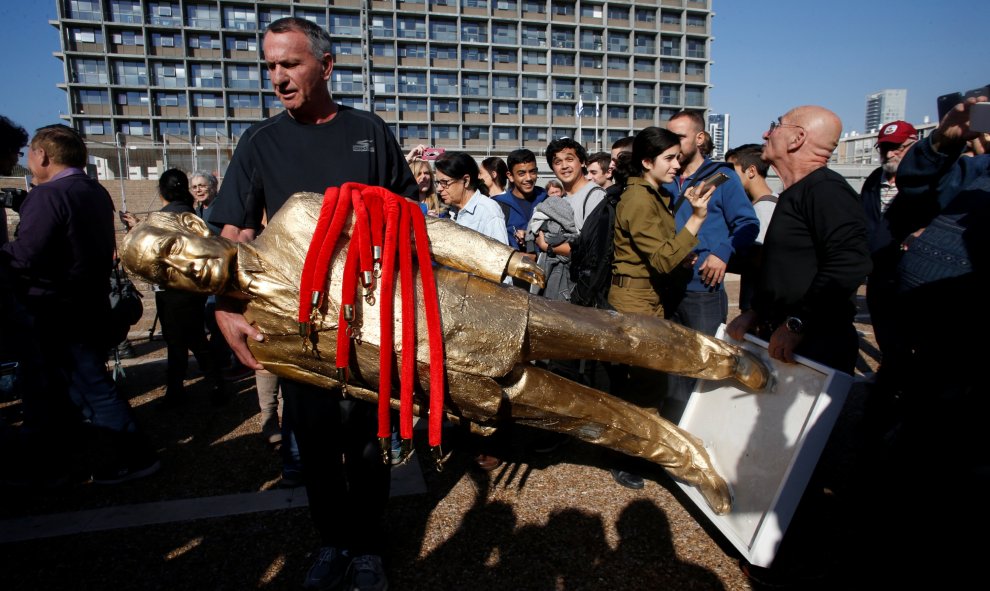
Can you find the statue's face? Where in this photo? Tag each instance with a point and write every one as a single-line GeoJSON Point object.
{"type": "Point", "coordinates": [179, 255]}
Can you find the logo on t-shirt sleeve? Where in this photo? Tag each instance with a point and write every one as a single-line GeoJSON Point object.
{"type": "Point", "coordinates": [364, 146]}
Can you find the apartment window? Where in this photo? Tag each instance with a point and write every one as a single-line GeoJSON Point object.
{"type": "Point", "coordinates": [695, 48]}
{"type": "Point", "coordinates": [646, 15]}
{"type": "Point", "coordinates": [345, 24]}
{"type": "Point", "coordinates": [534, 134]}
{"type": "Point", "coordinates": [137, 128]}
{"type": "Point", "coordinates": [473, 32]}
{"type": "Point", "coordinates": [694, 68]}
{"type": "Point", "coordinates": [417, 105]}
{"type": "Point", "coordinates": [204, 42]}
{"type": "Point", "coordinates": [85, 10]}
{"type": "Point", "coordinates": [534, 88]}
{"type": "Point", "coordinates": [95, 127]}
{"type": "Point", "coordinates": [670, 46]}
{"type": "Point", "coordinates": [475, 132]}
{"type": "Point", "coordinates": [646, 44]}
{"type": "Point", "coordinates": [505, 56]}
{"type": "Point", "coordinates": [443, 52]}
{"type": "Point", "coordinates": [694, 97]}
{"type": "Point", "coordinates": [669, 95]}
{"type": "Point", "coordinates": [206, 76]}
{"type": "Point", "coordinates": [441, 30]}
{"type": "Point", "coordinates": [415, 51]}
{"type": "Point", "coordinates": [239, 128]}
{"type": "Point", "coordinates": [413, 132]}
{"type": "Point", "coordinates": [170, 75]}
{"type": "Point", "coordinates": [346, 48]}
{"type": "Point", "coordinates": [412, 82]}
{"type": "Point", "coordinates": [444, 133]}
{"type": "Point", "coordinates": [620, 13]}
{"type": "Point", "coordinates": [537, 6]}
{"type": "Point", "coordinates": [538, 58]}
{"type": "Point", "coordinates": [210, 128]}
{"type": "Point", "coordinates": [271, 103]}
{"type": "Point", "coordinates": [670, 66]}
{"type": "Point", "coordinates": [563, 8]}
{"type": "Point", "coordinates": [86, 35]}
{"type": "Point", "coordinates": [476, 107]}
{"type": "Point", "coordinates": [93, 97]}
{"type": "Point", "coordinates": [643, 93]}
{"type": "Point", "coordinates": [208, 100]}
{"type": "Point", "coordinates": [347, 80]}
{"type": "Point", "coordinates": [506, 4]}
{"type": "Point", "coordinates": [563, 89]}
{"type": "Point", "coordinates": [473, 84]}
{"type": "Point", "coordinates": [618, 63]}
{"type": "Point", "coordinates": [563, 59]}
{"type": "Point", "coordinates": [411, 28]}
{"type": "Point", "coordinates": [319, 18]}
{"type": "Point", "coordinates": [696, 20]}
{"type": "Point", "coordinates": [562, 132]}
{"type": "Point", "coordinates": [173, 128]}
{"type": "Point", "coordinates": [505, 108]}
{"type": "Point", "coordinates": [202, 16]}
{"type": "Point", "coordinates": [444, 106]}
{"type": "Point", "coordinates": [506, 134]}
{"type": "Point", "coordinates": [383, 49]}
{"type": "Point", "coordinates": [667, 114]}
{"type": "Point", "coordinates": [131, 38]}
{"type": "Point", "coordinates": [384, 82]}
{"type": "Point", "coordinates": [244, 76]}
{"type": "Point", "coordinates": [562, 38]}
{"type": "Point", "coordinates": [130, 73]}
{"type": "Point", "coordinates": [591, 40]}
{"type": "Point", "coordinates": [244, 44]}
{"type": "Point", "coordinates": [269, 15]}
{"type": "Point", "coordinates": [534, 108]}
{"type": "Point", "coordinates": [475, 54]}
{"type": "Point", "coordinates": [591, 87]}
{"type": "Point", "coordinates": [507, 34]}
{"type": "Point", "coordinates": [382, 27]}
{"type": "Point", "coordinates": [531, 36]}
{"type": "Point", "coordinates": [505, 86]}
{"type": "Point", "coordinates": [170, 99]}
{"type": "Point", "coordinates": [618, 42]}
{"type": "Point", "coordinates": [562, 110]}
{"type": "Point", "coordinates": [591, 61]}
{"type": "Point", "coordinates": [166, 39]}
{"type": "Point", "coordinates": [240, 18]}
{"type": "Point", "coordinates": [444, 84]}
{"type": "Point", "coordinates": [244, 101]}
{"type": "Point", "coordinates": [591, 10]}
{"type": "Point", "coordinates": [355, 102]}
{"type": "Point", "coordinates": [643, 113]}
{"type": "Point", "coordinates": [618, 91]}
{"type": "Point", "coordinates": [126, 11]}
{"type": "Point", "coordinates": [389, 105]}
{"type": "Point", "coordinates": [643, 65]}
{"type": "Point", "coordinates": [133, 98]}
{"type": "Point", "coordinates": [615, 112]}
{"type": "Point", "coordinates": [670, 18]}
{"type": "Point", "coordinates": [474, 3]}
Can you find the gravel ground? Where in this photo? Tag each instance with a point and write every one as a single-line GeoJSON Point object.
{"type": "Point", "coordinates": [554, 521]}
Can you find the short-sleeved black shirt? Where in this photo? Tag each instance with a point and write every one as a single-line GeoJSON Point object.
{"type": "Point", "coordinates": [279, 157]}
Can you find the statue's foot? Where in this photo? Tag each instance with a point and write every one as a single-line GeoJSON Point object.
{"type": "Point", "coordinates": [716, 492]}
{"type": "Point", "coordinates": [752, 372]}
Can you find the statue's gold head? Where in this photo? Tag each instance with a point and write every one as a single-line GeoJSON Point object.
{"type": "Point", "coordinates": [176, 251]}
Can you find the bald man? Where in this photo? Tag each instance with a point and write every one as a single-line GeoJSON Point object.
{"type": "Point", "coordinates": [815, 252]}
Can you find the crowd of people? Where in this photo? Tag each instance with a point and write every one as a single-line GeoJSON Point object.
{"type": "Point", "coordinates": [651, 228]}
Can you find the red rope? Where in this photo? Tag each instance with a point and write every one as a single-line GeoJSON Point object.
{"type": "Point", "coordinates": [361, 235]}
{"type": "Point", "coordinates": [348, 313]}
{"type": "Point", "coordinates": [306, 280]}
{"type": "Point", "coordinates": [321, 271]}
{"type": "Point", "coordinates": [408, 368]}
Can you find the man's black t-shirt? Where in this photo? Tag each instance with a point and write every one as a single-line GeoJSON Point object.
{"type": "Point", "coordinates": [279, 157]}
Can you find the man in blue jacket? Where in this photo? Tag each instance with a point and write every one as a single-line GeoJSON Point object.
{"type": "Point", "coordinates": [696, 297]}
{"type": "Point", "coordinates": [522, 197]}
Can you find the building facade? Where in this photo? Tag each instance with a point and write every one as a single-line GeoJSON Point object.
{"type": "Point", "coordinates": [484, 75]}
{"type": "Point", "coordinates": [718, 128]}
{"type": "Point", "coordinates": [883, 106]}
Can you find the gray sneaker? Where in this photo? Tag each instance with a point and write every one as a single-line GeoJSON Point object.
{"type": "Point", "coordinates": [367, 573]}
{"type": "Point", "coordinates": [329, 570]}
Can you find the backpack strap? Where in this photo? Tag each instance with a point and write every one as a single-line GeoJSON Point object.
{"type": "Point", "coordinates": [584, 206]}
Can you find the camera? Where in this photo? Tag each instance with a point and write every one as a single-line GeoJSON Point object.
{"type": "Point", "coordinates": [12, 198]}
{"type": "Point", "coordinates": [947, 101]}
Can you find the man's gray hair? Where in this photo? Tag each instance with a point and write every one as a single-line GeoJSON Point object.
{"type": "Point", "coordinates": [319, 39]}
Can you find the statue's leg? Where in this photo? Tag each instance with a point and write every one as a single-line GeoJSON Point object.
{"type": "Point", "coordinates": [541, 399]}
{"type": "Point", "coordinates": [558, 330]}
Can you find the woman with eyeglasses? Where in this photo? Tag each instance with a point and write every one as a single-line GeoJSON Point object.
{"type": "Point", "coordinates": [457, 184]}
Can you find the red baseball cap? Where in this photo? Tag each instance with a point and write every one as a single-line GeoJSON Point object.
{"type": "Point", "coordinates": [896, 132]}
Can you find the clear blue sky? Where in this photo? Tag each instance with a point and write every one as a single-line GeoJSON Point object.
{"type": "Point", "coordinates": [769, 55]}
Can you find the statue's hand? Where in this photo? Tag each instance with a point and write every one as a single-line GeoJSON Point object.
{"type": "Point", "coordinates": [523, 266]}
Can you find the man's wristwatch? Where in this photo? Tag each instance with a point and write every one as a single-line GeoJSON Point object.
{"type": "Point", "coordinates": [794, 325]}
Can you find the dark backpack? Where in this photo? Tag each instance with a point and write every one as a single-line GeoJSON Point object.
{"type": "Point", "coordinates": [591, 254]}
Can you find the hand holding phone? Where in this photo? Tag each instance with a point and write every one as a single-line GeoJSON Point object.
{"type": "Point", "coordinates": [715, 180]}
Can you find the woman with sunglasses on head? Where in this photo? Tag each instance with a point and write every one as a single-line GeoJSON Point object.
{"type": "Point", "coordinates": [457, 185]}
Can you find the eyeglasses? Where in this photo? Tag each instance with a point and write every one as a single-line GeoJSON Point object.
{"type": "Point", "coordinates": [200, 187]}
{"type": "Point", "coordinates": [444, 184]}
{"type": "Point", "coordinates": [778, 123]}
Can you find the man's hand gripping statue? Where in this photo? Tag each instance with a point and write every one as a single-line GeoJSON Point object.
{"type": "Point", "coordinates": [330, 295]}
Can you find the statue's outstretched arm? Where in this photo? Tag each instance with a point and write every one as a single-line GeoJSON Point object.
{"type": "Point", "coordinates": [463, 249]}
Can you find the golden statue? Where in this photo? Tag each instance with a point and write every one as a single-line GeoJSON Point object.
{"type": "Point", "coordinates": [490, 333]}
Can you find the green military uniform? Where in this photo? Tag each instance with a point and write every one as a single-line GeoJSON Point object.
{"type": "Point", "coordinates": [647, 246]}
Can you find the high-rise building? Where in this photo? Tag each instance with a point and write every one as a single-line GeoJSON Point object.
{"type": "Point", "coordinates": [886, 105]}
{"type": "Point", "coordinates": [478, 74]}
{"type": "Point", "coordinates": [718, 128]}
